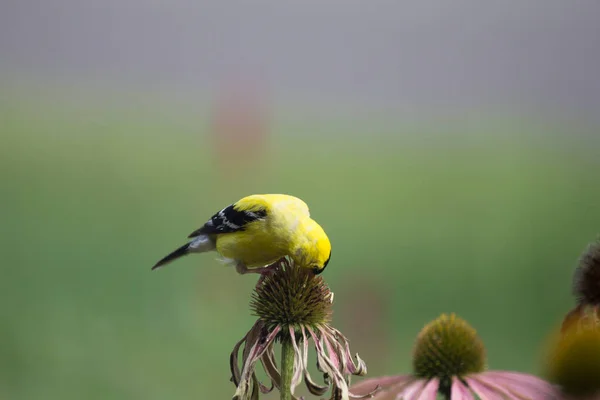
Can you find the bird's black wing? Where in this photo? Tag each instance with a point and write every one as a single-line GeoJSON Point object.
{"type": "Point", "coordinates": [229, 220]}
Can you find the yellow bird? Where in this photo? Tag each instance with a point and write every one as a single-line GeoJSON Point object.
{"type": "Point", "coordinates": [258, 230]}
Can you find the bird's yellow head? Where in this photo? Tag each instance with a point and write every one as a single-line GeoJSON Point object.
{"type": "Point", "coordinates": [314, 248]}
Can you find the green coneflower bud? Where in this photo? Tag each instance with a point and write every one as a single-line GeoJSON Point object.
{"type": "Point", "coordinates": [574, 361]}
{"type": "Point", "coordinates": [292, 297]}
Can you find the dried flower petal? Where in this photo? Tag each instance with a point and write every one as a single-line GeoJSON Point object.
{"type": "Point", "coordinates": [253, 351]}
{"type": "Point", "coordinates": [359, 368]}
{"type": "Point", "coordinates": [270, 367]}
{"type": "Point", "coordinates": [317, 390]}
{"type": "Point", "coordinates": [289, 302]}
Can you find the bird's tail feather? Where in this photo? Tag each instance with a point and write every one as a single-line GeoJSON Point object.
{"type": "Point", "coordinates": [199, 244]}
{"type": "Point", "coordinates": [180, 252]}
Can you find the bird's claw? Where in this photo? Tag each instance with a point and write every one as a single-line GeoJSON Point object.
{"type": "Point", "coordinates": [264, 272]}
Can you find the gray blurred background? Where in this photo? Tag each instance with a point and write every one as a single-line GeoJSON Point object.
{"type": "Point", "coordinates": [427, 57]}
{"type": "Point", "coordinates": [449, 149]}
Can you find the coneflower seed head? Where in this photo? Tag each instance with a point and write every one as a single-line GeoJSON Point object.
{"type": "Point", "coordinates": [586, 280]}
{"type": "Point", "coordinates": [292, 296]}
{"type": "Point", "coordinates": [448, 347]}
{"type": "Point", "coordinates": [574, 361]}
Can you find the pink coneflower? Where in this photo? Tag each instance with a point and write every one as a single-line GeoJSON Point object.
{"type": "Point", "coordinates": [449, 359]}
{"type": "Point", "coordinates": [293, 307]}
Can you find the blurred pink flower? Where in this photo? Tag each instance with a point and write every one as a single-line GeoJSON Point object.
{"type": "Point", "coordinates": [449, 359]}
{"type": "Point", "coordinates": [240, 128]}
{"type": "Point", "coordinates": [486, 385]}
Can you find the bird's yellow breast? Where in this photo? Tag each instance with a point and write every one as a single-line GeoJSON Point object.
{"type": "Point", "coordinates": [259, 244]}
{"type": "Point", "coordinates": [264, 241]}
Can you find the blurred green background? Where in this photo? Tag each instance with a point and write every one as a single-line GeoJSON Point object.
{"type": "Point", "coordinates": [450, 150]}
{"type": "Point", "coordinates": [485, 218]}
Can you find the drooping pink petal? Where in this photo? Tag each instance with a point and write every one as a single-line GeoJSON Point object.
{"type": "Point", "coordinates": [247, 373]}
{"type": "Point", "coordinates": [491, 384]}
{"type": "Point", "coordinates": [332, 352]}
{"type": "Point", "coordinates": [412, 391]}
{"type": "Point", "coordinates": [254, 353]}
{"type": "Point", "coordinates": [255, 335]}
{"type": "Point", "coordinates": [370, 395]}
{"type": "Point", "coordinates": [264, 389]}
{"type": "Point", "coordinates": [270, 367]}
{"type": "Point", "coordinates": [297, 375]}
{"type": "Point", "coordinates": [314, 388]}
{"type": "Point", "coordinates": [346, 366]}
{"type": "Point", "coordinates": [264, 345]}
{"type": "Point", "coordinates": [459, 391]}
{"type": "Point", "coordinates": [327, 365]}
{"type": "Point", "coordinates": [384, 382]}
{"type": "Point", "coordinates": [249, 339]}
{"type": "Point", "coordinates": [358, 368]}
{"type": "Point", "coordinates": [430, 390]}
{"type": "Point", "coordinates": [527, 385]}
{"type": "Point", "coordinates": [534, 392]}
{"type": "Point", "coordinates": [396, 391]}
{"type": "Point", "coordinates": [323, 358]}
{"type": "Point", "coordinates": [233, 363]}
{"type": "Point", "coordinates": [305, 349]}
{"type": "Point", "coordinates": [255, 388]}
{"type": "Point", "coordinates": [482, 390]}
{"type": "Point", "coordinates": [517, 376]}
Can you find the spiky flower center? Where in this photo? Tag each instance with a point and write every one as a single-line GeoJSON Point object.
{"type": "Point", "coordinates": [574, 362]}
{"type": "Point", "coordinates": [447, 347]}
{"type": "Point", "coordinates": [292, 296]}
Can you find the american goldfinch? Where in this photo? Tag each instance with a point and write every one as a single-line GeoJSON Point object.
{"type": "Point", "coordinates": [258, 230]}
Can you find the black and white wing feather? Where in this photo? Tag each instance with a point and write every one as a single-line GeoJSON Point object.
{"type": "Point", "coordinates": [229, 220]}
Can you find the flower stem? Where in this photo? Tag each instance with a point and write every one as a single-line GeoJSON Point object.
{"type": "Point", "coordinates": [445, 388]}
{"type": "Point", "coordinates": [287, 369]}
